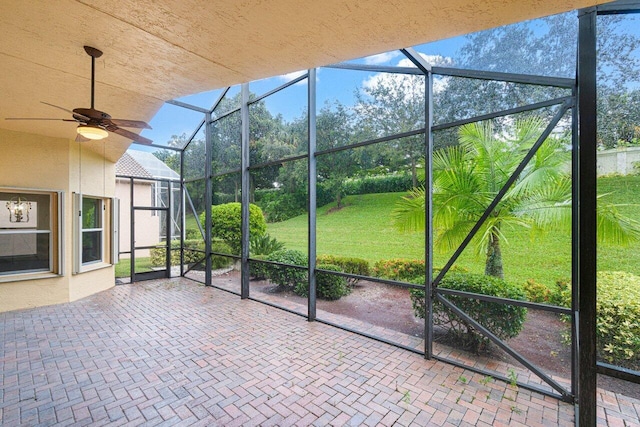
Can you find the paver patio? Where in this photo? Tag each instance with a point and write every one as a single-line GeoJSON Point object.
{"type": "Point", "coordinates": [172, 352]}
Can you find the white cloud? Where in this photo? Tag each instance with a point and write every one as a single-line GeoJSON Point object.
{"type": "Point", "coordinates": [433, 60]}
{"type": "Point", "coordinates": [381, 58]}
{"type": "Point", "coordinates": [393, 80]}
{"type": "Point", "coordinates": [291, 76]}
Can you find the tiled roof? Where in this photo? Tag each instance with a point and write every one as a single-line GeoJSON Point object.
{"type": "Point", "coordinates": [142, 164]}
{"type": "Point", "coordinates": [127, 166]}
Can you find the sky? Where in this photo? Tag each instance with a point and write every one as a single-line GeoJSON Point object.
{"type": "Point", "coordinates": [332, 85]}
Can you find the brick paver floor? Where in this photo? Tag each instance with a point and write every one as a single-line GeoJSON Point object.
{"type": "Point", "coordinates": [173, 352]}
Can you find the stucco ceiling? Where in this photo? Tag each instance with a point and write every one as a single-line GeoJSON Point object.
{"type": "Point", "coordinates": [160, 50]}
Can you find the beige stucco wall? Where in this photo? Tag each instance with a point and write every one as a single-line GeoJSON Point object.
{"type": "Point", "coordinates": [147, 224]}
{"type": "Point", "coordinates": [39, 162]}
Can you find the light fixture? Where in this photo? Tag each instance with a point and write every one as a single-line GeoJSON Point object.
{"type": "Point", "coordinates": [18, 209]}
{"type": "Point", "coordinates": [92, 132]}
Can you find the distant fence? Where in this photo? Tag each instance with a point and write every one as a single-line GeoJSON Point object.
{"type": "Point", "coordinates": [618, 161]}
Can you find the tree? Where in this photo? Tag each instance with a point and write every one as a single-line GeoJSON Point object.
{"type": "Point", "coordinates": [546, 47]}
{"type": "Point", "coordinates": [392, 104]}
{"type": "Point", "coordinates": [334, 129]}
{"type": "Point", "coordinates": [266, 133]}
{"type": "Point", "coordinates": [467, 177]}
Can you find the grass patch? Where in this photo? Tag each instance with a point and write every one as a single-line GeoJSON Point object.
{"type": "Point", "coordinates": [363, 229]}
{"type": "Point", "coordinates": [123, 268]}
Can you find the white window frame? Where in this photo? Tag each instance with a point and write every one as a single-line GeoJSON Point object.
{"type": "Point", "coordinates": [108, 218]}
{"type": "Point", "coordinates": [55, 230]}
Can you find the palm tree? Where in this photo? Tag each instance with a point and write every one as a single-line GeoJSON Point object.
{"type": "Point", "coordinates": [467, 177]}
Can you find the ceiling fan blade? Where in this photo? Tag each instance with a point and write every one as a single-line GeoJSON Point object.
{"type": "Point", "coordinates": [58, 107]}
{"type": "Point", "coordinates": [132, 136]}
{"type": "Point", "coordinates": [77, 116]}
{"type": "Point", "coordinates": [138, 124]}
{"type": "Point", "coordinates": [38, 118]}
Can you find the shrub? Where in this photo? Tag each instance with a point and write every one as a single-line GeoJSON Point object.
{"type": "Point", "coordinates": [399, 269]}
{"type": "Point", "coordinates": [192, 253]}
{"type": "Point", "coordinates": [392, 183]}
{"type": "Point", "coordinates": [537, 292]}
{"type": "Point", "coordinates": [618, 316]}
{"type": "Point", "coordinates": [158, 257]}
{"type": "Point", "coordinates": [328, 286]}
{"type": "Point", "coordinates": [219, 261]}
{"type": "Point", "coordinates": [618, 322]}
{"type": "Point", "coordinates": [226, 222]}
{"type": "Point", "coordinates": [561, 295]}
{"type": "Point", "coordinates": [192, 234]}
{"type": "Point", "coordinates": [258, 270]}
{"type": "Point", "coordinates": [286, 277]}
{"type": "Point", "coordinates": [349, 265]}
{"type": "Point", "coordinates": [264, 245]}
{"type": "Point", "coordinates": [505, 321]}
{"type": "Point", "coordinates": [331, 286]}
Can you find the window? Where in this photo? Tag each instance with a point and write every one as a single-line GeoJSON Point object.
{"type": "Point", "coordinates": [92, 230]}
{"type": "Point", "coordinates": [94, 217]}
{"type": "Point", "coordinates": [29, 233]}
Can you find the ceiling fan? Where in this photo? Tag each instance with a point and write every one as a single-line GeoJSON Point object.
{"type": "Point", "coordinates": [95, 124]}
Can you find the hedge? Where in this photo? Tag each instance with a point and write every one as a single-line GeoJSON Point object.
{"type": "Point", "coordinates": [399, 269]}
{"type": "Point", "coordinates": [505, 321]}
{"type": "Point", "coordinates": [280, 205]}
{"type": "Point", "coordinates": [349, 265]}
{"type": "Point", "coordinates": [393, 183]}
{"type": "Point", "coordinates": [618, 316]}
{"type": "Point", "coordinates": [191, 256]}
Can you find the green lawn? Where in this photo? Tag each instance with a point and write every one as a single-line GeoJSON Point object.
{"type": "Point", "coordinates": [363, 229]}
{"type": "Point", "coordinates": [123, 268]}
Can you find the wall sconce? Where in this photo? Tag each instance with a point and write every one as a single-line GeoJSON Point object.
{"type": "Point", "coordinates": [18, 209]}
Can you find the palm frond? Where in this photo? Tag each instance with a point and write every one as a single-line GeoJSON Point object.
{"type": "Point", "coordinates": [613, 227]}
{"type": "Point", "coordinates": [409, 213]}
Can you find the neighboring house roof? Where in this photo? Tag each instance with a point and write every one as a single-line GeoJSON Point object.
{"type": "Point", "coordinates": [141, 164]}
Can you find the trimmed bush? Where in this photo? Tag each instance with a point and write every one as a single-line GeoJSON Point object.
{"type": "Point", "coordinates": [505, 321]}
{"type": "Point", "coordinates": [347, 265]}
{"type": "Point", "coordinates": [226, 224]}
{"type": "Point", "coordinates": [328, 286]}
{"type": "Point", "coordinates": [192, 253]}
{"type": "Point", "coordinates": [618, 321]}
{"type": "Point", "coordinates": [286, 277]}
{"type": "Point", "coordinates": [399, 269]}
{"type": "Point", "coordinates": [537, 292]}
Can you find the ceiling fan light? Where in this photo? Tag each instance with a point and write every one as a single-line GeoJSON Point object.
{"type": "Point", "coordinates": [92, 132]}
